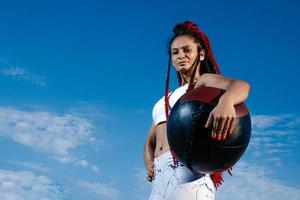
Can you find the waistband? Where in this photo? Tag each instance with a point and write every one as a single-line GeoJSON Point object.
{"type": "Point", "coordinates": [164, 155]}
{"type": "Point", "coordinates": [204, 180]}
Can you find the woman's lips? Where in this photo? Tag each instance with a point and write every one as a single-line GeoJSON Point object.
{"type": "Point", "coordinates": [182, 63]}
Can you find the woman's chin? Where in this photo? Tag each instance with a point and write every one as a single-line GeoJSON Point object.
{"type": "Point", "coordinates": [182, 70]}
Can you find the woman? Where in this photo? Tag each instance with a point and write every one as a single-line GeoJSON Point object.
{"type": "Point", "coordinates": [190, 53]}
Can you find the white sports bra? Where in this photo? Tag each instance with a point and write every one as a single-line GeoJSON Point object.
{"type": "Point", "coordinates": [158, 112]}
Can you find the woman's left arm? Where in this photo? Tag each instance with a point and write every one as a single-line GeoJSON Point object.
{"type": "Point", "coordinates": [223, 115]}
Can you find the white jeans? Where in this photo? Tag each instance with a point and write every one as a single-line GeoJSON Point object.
{"type": "Point", "coordinates": [179, 182]}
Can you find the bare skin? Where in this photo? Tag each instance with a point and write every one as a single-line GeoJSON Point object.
{"type": "Point", "coordinates": [184, 52]}
{"type": "Point", "coordinates": [162, 144]}
{"type": "Point", "coordinates": [156, 144]}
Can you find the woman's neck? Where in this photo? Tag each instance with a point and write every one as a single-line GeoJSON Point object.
{"type": "Point", "coordinates": [187, 78]}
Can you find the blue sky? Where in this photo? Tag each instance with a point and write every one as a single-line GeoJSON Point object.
{"type": "Point", "coordinates": [79, 80]}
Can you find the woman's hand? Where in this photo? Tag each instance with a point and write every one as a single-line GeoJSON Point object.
{"type": "Point", "coordinates": [222, 118]}
{"type": "Point", "coordinates": [149, 148]}
{"type": "Point", "coordinates": [150, 170]}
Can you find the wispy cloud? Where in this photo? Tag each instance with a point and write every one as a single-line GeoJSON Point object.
{"type": "Point", "coordinates": [20, 73]}
{"type": "Point", "coordinates": [55, 135]}
{"type": "Point", "coordinates": [262, 122]}
{"type": "Point", "coordinates": [31, 165]}
{"type": "Point", "coordinates": [95, 168]}
{"type": "Point", "coordinates": [88, 110]}
{"type": "Point", "coordinates": [27, 185]}
{"type": "Point", "coordinates": [252, 182]}
{"type": "Point", "coordinates": [100, 189]}
{"type": "Point", "coordinates": [143, 188]}
{"type": "Point", "coordinates": [274, 136]}
{"type": "Point", "coordinates": [265, 121]}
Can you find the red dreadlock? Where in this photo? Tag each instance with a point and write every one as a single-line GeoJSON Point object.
{"type": "Point", "coordinates": [189, 28]}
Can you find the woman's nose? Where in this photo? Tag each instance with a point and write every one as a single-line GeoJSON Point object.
{"type": "Point", "coordinates": [181, 55]}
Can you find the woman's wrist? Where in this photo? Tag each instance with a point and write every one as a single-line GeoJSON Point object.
{"type": "Point", "coordinates": [225, 99]}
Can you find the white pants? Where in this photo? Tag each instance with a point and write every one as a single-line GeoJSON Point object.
{"type": "Point", "coordinates": [177, 182]}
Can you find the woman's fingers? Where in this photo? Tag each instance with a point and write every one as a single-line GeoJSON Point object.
{"type": "Point", "coordinates": [150, 171]}
{"type": "Point", "coordinates": [222, 126]}
{"type": "Point", "coordinates": [209, 121]}
{"type": "Point", "coordinates": [150, 174]}
{"type": "Point", "coordinates": [231, 125]}
{"type": "Point", "coordinates": [149, 178]}
{"type": "Point", "coordinates": [219, 128]}
{"type": "Point", "coordinates": [225, 128]}
{"type": "Point", "coordinates": [214, 129]}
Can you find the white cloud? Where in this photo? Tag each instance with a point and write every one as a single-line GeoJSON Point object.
{"type": "Point", "coordinates": [83, 163]}
{"type": "Point", "coordinates": [31, 165]}
{"type": "Point", "coordinates": [20, 73]}
{"type": "Point", "coordinates": [143, 188]}
{"type": "Point", "coordinates": [252, 182]}
{"type": "Point", "coordinates": [100, 189]}
{"type": "Point", "coordinates": [50, 133]}
{"type": "Point", "coordinates": [14, 71]}
{"type": "Point", "coordinates": [27, 185]}
{"type": "Point", "coordinates": [274, 136]}
{"type": "Point", "coordinates": [264, 121]}
{"type": "Point", "coordinates": [88, 110]}
{"type": "Point", "coordinates": [95, 169]}
{"type": "Point", "coordinates": [267, 132]}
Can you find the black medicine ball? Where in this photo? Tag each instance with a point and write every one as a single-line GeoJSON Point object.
{"type": "Point", "coordinates": [192, 142]}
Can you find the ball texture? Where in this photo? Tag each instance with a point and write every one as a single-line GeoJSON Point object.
{"type": "Point", "coordinates": [192, 143]}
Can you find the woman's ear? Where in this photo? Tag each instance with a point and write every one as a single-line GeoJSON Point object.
{"type": "Point", "coordinates": [201, 54]}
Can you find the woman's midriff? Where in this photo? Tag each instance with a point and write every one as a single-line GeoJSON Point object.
{"type": "Point", "coordinates": [162, 144]}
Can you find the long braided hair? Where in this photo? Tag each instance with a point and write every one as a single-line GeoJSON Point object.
{"type": "Point", "coordinates": [208, 65]}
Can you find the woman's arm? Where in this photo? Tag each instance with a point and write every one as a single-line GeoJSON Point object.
{"type": "Point", "coordinates": [223, 115]}
{"type": "Point", "coordinates": [149, 148]}
{"type": "Point", "coordinates": [236, 90]}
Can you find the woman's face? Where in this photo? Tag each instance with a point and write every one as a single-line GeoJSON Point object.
{"type": "Point", "coordinates": [184, 53]}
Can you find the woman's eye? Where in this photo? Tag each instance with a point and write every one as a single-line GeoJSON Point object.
{"type": "Point", "coordinates": [187, 50]}
{"type": "Point", "coordinates": [174, 52]}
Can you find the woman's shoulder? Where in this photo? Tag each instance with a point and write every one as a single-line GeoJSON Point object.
{"type": "Point", "coordinates": [180, 89]}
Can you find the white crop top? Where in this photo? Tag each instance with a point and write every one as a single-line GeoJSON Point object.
{"type": "Point", "coordinates": [158, 112]}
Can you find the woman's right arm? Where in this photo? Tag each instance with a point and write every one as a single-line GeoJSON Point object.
{"type": "Point", "coordinates": [149, 148]}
